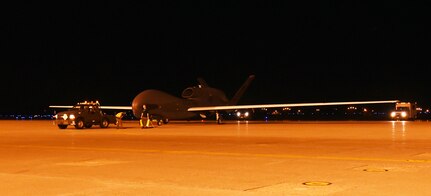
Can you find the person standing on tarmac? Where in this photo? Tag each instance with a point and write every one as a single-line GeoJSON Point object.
{"type": "Point", "coordinates": [145, 114]}
{"type": "Point", "coordinates": [119, 116]}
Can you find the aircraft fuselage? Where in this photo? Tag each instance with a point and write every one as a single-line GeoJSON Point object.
{"type": "Point", "coordinates": [162, 104]}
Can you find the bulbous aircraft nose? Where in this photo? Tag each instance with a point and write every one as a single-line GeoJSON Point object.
{"type": "Point", "coordinates": [137, 107]}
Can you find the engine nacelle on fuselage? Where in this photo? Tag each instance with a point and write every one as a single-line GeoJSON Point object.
{"type": "Point", "coordinates": [192, 92]}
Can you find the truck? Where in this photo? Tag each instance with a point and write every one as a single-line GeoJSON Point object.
{"type": "Point", "coordinates": [84, 115]}
{"type": "Point", "coordinates": [404, 111]}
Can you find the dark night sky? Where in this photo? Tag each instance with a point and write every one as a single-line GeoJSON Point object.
{"type": "Point", "coordinates": [300, 52]}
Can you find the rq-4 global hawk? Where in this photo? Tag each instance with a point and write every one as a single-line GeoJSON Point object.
{"type": "Point", "coordinates": [203, 101]}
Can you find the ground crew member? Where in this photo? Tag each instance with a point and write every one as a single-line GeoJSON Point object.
{"type": "Point", "coordinates": [141, 121]}
{"type": "Point", "coordinates": [119, 117]}
{"type": "Point", "coordinates": [148, 123]}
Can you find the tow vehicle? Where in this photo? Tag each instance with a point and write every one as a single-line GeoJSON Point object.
{"type": "Point", "coordinates": [84, 115]}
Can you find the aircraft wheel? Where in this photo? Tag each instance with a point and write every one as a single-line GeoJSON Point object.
{"type": "Point", "coordinates": [159, 122]}
{"type": "Point", "coordinates": [79, 124]}
{"type": "Point", "coordinates": [62, 126]}
{"type": "Point", "coordinates": [219, 120]}
{"type": "Point", "coordinates": [104, 123]}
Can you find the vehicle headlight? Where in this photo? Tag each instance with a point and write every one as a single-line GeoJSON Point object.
{"type": "Point", "coordinates": [238, 114]}
{"type": "Point", "coordinates": [246, 114]}
{"type": "Point", "coordinates": [55, 116]}
{"type": "Point", "coordinates": [403, 114]}
{"type": "Point", "coordinates": [393, 114]}
{"type": "Point", "coordinates": [72, 117]}
{"type": "Point", "coordinates": [65, 116]}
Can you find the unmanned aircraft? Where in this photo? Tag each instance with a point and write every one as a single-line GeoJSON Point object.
{"type": "Point", "coordinates": [204, 101]}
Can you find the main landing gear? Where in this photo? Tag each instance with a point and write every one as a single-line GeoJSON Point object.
{"type": "Point", "coordinates": [218, 118]}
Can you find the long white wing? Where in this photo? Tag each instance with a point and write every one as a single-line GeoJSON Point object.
{"type": "Point", "coordinates": [116, 107]}
{"type": "Point", "coordinates": [61, 106]}
{"type": "Point", "coordinates": [101, 107]}
{"type": "Point", "coordinates": [237, 107]}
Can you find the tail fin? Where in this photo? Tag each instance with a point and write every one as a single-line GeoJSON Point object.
{"type": "Point", "coordinates": [241, 91]}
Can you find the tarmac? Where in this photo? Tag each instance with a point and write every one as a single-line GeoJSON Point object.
{"type": "Point", "coordinates": [204, 158]}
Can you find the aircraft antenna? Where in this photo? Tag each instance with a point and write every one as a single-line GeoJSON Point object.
{"type": "Point", "coordinates": [202, 82]}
